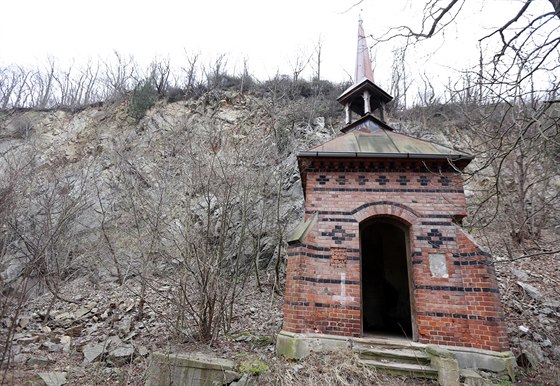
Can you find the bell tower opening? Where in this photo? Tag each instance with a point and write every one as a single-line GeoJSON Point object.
{"type": "Point", "coordinates": [386, 307]}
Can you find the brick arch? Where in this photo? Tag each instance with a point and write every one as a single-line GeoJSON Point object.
{"type": "Point", "coordinates": [387, 209]}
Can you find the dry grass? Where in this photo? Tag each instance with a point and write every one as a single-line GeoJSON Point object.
{"type": "Point", "coordinates": [547, 375]}
{"type": "Point", "coordinates": [341, 368]}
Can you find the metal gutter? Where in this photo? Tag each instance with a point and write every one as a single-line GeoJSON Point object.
{"type": "Point", "coordinates": [316, 154]}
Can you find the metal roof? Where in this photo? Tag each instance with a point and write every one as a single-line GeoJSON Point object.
{"type": "Point", "coordinates": [361, 85]}
{"type": "Point", "coordinates": [381, 143]}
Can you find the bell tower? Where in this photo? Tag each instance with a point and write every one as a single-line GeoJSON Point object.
{"type": "Point", "coordinates": [364, 97]}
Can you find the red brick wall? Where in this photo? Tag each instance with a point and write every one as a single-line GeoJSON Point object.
{"type": "Point", "coordinates": [323, 287]}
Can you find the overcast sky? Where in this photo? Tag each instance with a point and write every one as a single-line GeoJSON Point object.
{"type": "Point", "coordinates": [270, 34]}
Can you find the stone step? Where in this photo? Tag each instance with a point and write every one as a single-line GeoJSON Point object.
{"type": "Point", "coordinates": [388, 342]}
{"type": "Point", "coordinates": [406, 369]}
{"type": "Point", "coordinates": [400, 355]}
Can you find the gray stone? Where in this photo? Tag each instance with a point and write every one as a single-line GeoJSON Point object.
{"type": "Point", "coordinates": [81, 312]}
{"type": "Point", "coordinates": [142, 351]}
{"type": "Point", "coordinates": [27, 339]}
{"type": "Point", "coordinates": [13, 270]}
{"type": "Point", "coordinates": [121, 355]}
{"type": "Point", "coordinates": [520, 274]}
{"type": "Point", "coordinates": [546, 311]}
{"type": "Point", "coordinates": [297, 367]}
{"type": "Point", "coordinates": [53, 347]}
{"type": "Point", "coordinates": [30, 348]}
{"type": "Point", "coordinates": [484, 360]}
{"type": "Point", "coordinates": [439, 351]}
{"type": "Point", "coordinates": [16, 349]}
{"type": "Point", "coordinates": [556, 352]}
{"type": "Point", "coordinates": [108, 371]}
{"type": "Point", "coordinates": [244, 381]}
{"type": "Point", "coordinates": [130, 336]}
{"type": "Point", "coordinates": [24, 321]}
{"type": "Point", "coordinates": [298, 346]}
{"type": "Point", "coordinates": [113, 342]}
{"type": "Point", "coordinates": [125, 325]}
{"type": "Point", "coordinates": [530, 290]}
{"type": "Point", "coordinates": [552, 303]}
{"type": "Point", "coordinates": [19, 359]}
{"type": "Point", "coordinates": [531, 354]}
{"type": "Point", "coordinates": [65, 339]}
{"type": "Point", "coordinates": [53, 378]}
{"type": "Point", "coordinates": [93, 352]}
{"type": "Point", "coordinates": [104, 315]}
{"type": "Point", "coordinates": [438, 265]}
{"type": "Point", "coordinates": [39, 361]}
{"type": "Point", "coordinates": [63, 315]}
{"type": "Point", "coordinates": [243, 338]}
{"type": "Point", "coordinates": [472, 378]}
{"type": "Point", "coordinates": [447, 366]}
{"type": "Point", "coordinates": [189, 369]}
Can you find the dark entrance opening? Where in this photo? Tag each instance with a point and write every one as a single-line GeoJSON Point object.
{"type": "Point", "coordinates": [385, 280]}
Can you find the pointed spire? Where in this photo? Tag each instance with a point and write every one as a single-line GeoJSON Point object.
{"type": "Point", "coordinates": [364, 97]}
{"type": "Point", "coordinates": [363, 61]}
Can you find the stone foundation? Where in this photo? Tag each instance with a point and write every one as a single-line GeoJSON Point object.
{"type": "Point", "coordinates": [298, 346]}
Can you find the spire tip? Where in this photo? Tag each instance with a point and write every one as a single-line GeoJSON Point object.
{"type": "Point", "coordinates": [363, 61]}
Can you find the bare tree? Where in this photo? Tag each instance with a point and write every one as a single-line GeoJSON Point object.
{"type": "Point", "coordinates": [12, 85]}
{"type": "Point", "coordinates": [300, 63]}
{"type": "Point", "coordinates": [507, 101]}
{"type": "Point", "coordinates": [400, 82]}
{"type": "Point", "coordinates": [215, 71]}
{"type": "Point", "coordinates": [245, 76]}
{"type": "Point", "coordinates": [41, 220]}
{"type": "Point", "coordinates": [527, 43]}
{"type": "Point", "coordinates": [159, 74]}
{"type": "Point", "coordinates": [317, 60]}
{"type": "Point", "coordinates": [191, 72]}
{"type": "Point", "coordinates": [45, 84]}
{"type": "Point", "coordinates": [120, 76]}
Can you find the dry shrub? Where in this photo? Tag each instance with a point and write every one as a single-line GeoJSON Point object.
{"type": "Point", "coordinates": [341, 368]}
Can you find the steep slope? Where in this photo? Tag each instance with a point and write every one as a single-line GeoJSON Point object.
{"type": "Point", "coordinates": [117, 233]}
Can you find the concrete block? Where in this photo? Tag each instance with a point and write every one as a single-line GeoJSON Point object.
{"type": "Point", "coordinates": [189, 369]}
{"type": "Point", "coordinates": [447, 366]}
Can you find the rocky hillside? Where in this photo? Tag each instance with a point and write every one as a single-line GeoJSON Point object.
{"type": "Point", "coordinates": [122, 234]}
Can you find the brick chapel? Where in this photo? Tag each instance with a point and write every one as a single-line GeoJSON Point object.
{"type": "Point", "coordinates": [381, 250]}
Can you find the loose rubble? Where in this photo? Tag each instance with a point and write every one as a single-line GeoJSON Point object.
{"type": "Point", "coordinates": [101, 338]}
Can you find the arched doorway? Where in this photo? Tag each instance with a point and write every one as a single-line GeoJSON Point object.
{"type": "Point", "coordinates": [386, 305]}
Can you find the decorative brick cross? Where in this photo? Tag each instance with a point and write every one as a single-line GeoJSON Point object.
{"type": "Point", "coordinates": [435, 238]}
{"type": "Point", "coordinates": [338, 234]}
{"type": "Point", "coordinates": [444, 181]}
{"type": "Point", "coordinates": [382, 180]}
{"type": "Point", "coordinates": [424, 180]}
{"type": "Point", "coordinates": [402, 180]}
